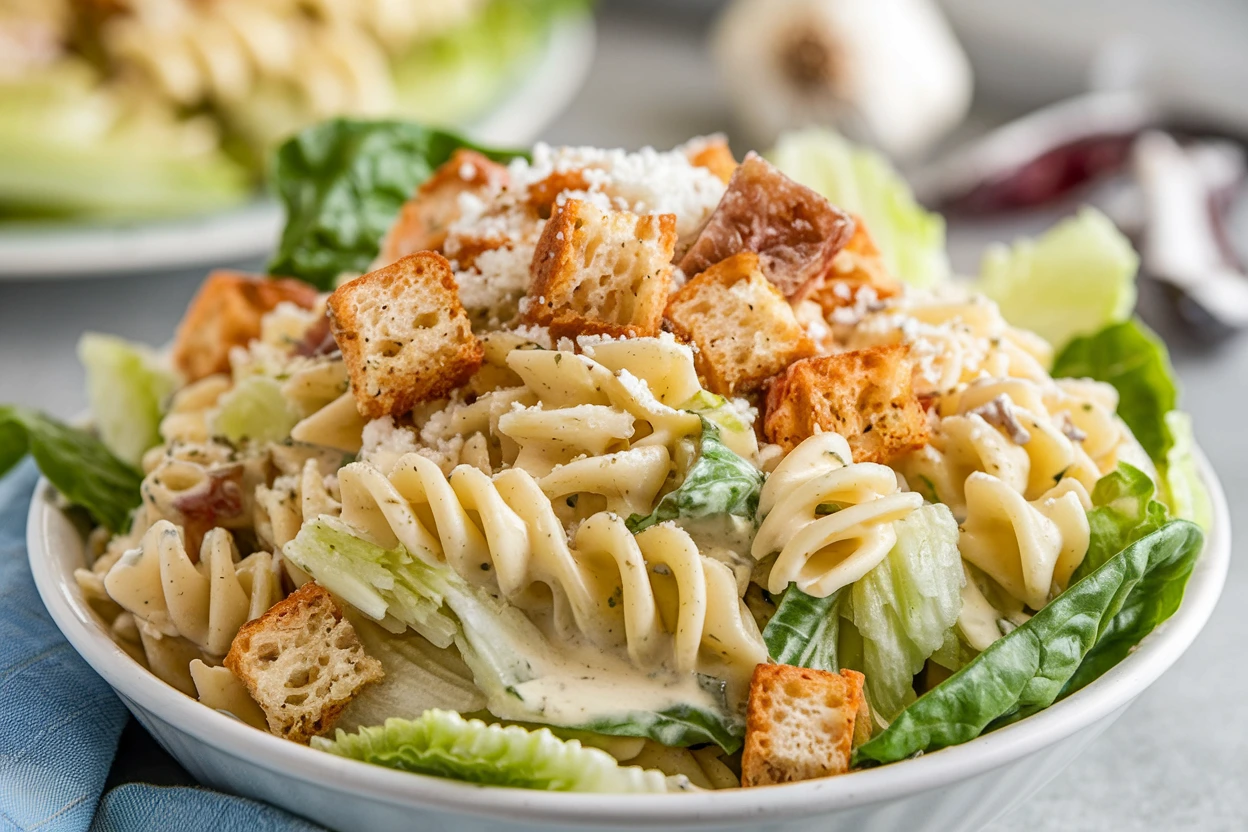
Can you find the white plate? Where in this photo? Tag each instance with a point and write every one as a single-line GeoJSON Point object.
{"type": "Point", "coordinates": [953, 790]}
{"type": "Point", "coordinates": [250, 232]}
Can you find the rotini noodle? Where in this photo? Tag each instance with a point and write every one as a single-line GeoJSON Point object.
{"type": "Point", "coordinates": [830, 519]}
{"type": "Point", "coordinates": [653, 593]}
{"type": "Point", "coordinates": [200, 604]}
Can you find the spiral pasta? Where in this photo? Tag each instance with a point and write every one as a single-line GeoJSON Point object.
{"type": "Point", "coordinates": [1029, 548]}
{"type": "Point", "coordinates": [653, 594]}
{"type": "Point", "coordinates": [830, 519]}
{"type": "Point", "coordinates": [585, 409]}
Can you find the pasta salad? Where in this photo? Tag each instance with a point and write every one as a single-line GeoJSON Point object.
{"type": "Point", "coordinates": [592, 470]}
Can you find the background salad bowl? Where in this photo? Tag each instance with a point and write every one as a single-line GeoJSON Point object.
{"type": "Point", "coordinates": [959, 788]}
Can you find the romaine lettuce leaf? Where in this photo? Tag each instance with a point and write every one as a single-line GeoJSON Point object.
{"type": "Point", "coordinates": [1186, 493]}
{"type": "Point", "coordinates": [79, 465]}
{"type": "Point", "coordinates": [804, 630]}
{"type": "Point", "coordinates": [1074, 639]}
{"type": "Point", "coordinates": [342, 183]}
{"type": "Point", "coordinates": [254, 409]}
{"type": "Point", "coordinates": [453, 77]}
{"type": "Point", "coordinates": [73, 146]}
{"type": "Point", "coordinates": [718, 483]}
{"type": "Point", "coordinates": [1134, 360]}
{"type": "Point", "coordinates": [128, 389]}
{"type": "Point", "coordinates": [911, 240]}
{"type": "Point", "coordinates": [1075, 279]}
{"type": "Point", "coordinates": [500, 645]}
{"type": "Point", "coordinates": [444, 744]}
{"type": "Point", "coordinates": [904, 607]}
{"type": "Point", "coordinates": [1123, 511]}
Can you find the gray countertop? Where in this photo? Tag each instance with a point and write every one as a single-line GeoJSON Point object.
{"type": "Point", "coordinates": [1178, 760]}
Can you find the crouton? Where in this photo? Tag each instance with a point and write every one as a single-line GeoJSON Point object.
{"type": "Point", "coordinates": [865, 396]}
{"type": "Point", "coordinates": [302, 663]}
{"type": "Point", "coordinates": [857, 266]}
{"type": "Point", "coordinates": [598, 272]}
{"type": "Point", "coordinates": [795, 231]}
{"type": "Point", "coordinates": [712, 153]}
{"type": "Point", "coordinates": [744, 329]}
{"type": "Point", "coordinates": [542, 195]}
{"type": "Point", "coordinates": [423, 223]}
{"type": "Point", "coordinates": [226, 313]}
{"type": "Point", "coordinates": [799, 724]}
{"type": "Point", "coordinates": [404, 336]}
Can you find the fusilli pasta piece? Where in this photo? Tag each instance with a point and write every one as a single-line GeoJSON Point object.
{"type": "Point", "coordinates": [185, 608]}
{"type": "Point", "coordinates": [1029, 548]}
{"type": "Point", "coordinates": [654, 594]}
{"type": "Point", "coordinates": [830, 519]}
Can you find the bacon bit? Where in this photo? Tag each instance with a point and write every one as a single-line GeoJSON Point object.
{"type": "Point", "coordinates": [795, 232]}
{"type": "Point", "coordinates": [218, 498]}
{"type": "Point", "coordinates": [1000, 414]}
{"type": "Point", "coordinates": [1071, 430]}
{"type": "Point", "coordinates": [318, 340]}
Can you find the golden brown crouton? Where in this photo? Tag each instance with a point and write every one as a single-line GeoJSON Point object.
{"type": "Point", "coordinates": [856, 266]}
{"type": "Point", "coordinates": [403, 334]}
{"type": "Point", "coordinates": [226, 313]}
{"type": "Point", "coordinates": [712, 153]}
{"type": "Point", "coordinates": [302, 663]}
{"type": "Point", "coordinates": [425, 218]}
{"type": "Point", "coordinates": [598, 272]}
{"type": "Point", "coordinates": [744, 329]}
{"type": "Point", "coordinates": [865, 396]}
{"type": "Point", "coordinates": [800, 724]}
{"type": "Point", "coordinates": [794, 231]}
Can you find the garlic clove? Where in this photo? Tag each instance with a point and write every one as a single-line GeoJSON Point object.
{"type": "Point", "coordinates": [888, 72]}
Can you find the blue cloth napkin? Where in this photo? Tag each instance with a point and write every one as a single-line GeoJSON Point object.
{"type": "Point", "coordinates": [60, 723]}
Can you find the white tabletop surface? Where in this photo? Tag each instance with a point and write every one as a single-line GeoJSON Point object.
{"type": "Point", "coordinates": [1178, 760]}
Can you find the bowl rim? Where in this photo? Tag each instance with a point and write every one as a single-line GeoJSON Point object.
{"type": "Point", "coordinates": [1099, 700]}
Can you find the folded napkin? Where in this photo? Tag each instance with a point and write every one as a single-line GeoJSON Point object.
{"type": "Point", "coordinates": [60, 724]}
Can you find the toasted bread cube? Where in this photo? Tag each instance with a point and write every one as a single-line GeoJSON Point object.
{"type": "Point", "coordinates": [744, 329]}
{"type": "Point", "coordinates": [799, 724]}
{"type": "Point", "coordinates": [226, 313]}
{"type": "Point", "coordinates": [794, 231]}
{"type": "Point", "coordinates": [712, 153]}
{"type": "Point", "coordinates": [597, 272]}
{"type": "Point", "coordinates": [865, 395]}
{"type": "Point", "coordinates": [302, 663]}
{"type": "Point", "coordinates": [423, 223]}
{"type": "Point", "coordinates": [857, 266]}
{"type": "Point", "coordinates": [403, 334]}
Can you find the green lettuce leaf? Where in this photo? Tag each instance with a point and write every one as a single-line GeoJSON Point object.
{"type": "Point", "coordinates": [342, 183]}
{"type": "Point", "coordinates": [804, 630]}
{"type": "Point", "coordinates": [444, 744]}
{"type": "Point", "coordinates": [128, 389]}
{"type": "Point", "coordinates": [718, 483]}
{"type": "Point", "coordinates": [73, 146]}
{"type": "Point", "coordinates": [905, 606]}
{"type": "Point", "coordinates": [452, 78]}
{"type": "Point", "coordinates": [78, 464]}
{"type": "Point", "coordinates": [387, 585]}
{"type": "Point", "coordinates": [1075, 279]}
{"type": "Point", "coordinates": [500, 645]}
{"type": "Point", "coordinates": [911, 240]}
{"type": "Point", "coordinates": [1123, 511]}
{"type": "Point", "coordinates": [1186, 493]}
{"type": "Point", "coordinates": [1074, 639]}
{"type": "Point", "coordinates": [1134, 360]}
{"type": "Point", "coordinates": [254, 409]}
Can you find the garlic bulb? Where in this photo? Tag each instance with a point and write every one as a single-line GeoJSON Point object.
{"type": "Point", "coordinates": [888, 72]}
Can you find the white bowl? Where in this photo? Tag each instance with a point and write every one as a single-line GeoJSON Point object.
{"type": "Point", "coordinates": [960, 788]}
